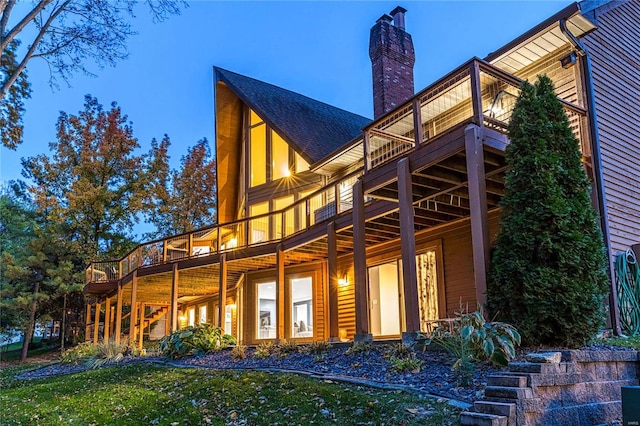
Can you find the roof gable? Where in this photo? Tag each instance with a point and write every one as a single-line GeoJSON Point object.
{"type": "Point", "coordinates": [314, 129]}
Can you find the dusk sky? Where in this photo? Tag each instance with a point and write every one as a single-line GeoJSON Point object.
{"type": "Point", "coordinates": [319, 49]}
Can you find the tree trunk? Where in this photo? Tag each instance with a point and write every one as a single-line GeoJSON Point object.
{"type": "Point", "coordinates": [63, 325]}
{"type": "Point", "coordinates": [28, 334]}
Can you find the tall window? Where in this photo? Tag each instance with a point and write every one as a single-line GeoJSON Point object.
{"type": "Point", "coordinates": [279, 157]}
{"type": "Point", "coordinates": [202, 311]}
{"type": "Point", "coordinates": [191, 317]}
{"type": "Point", "coordinates": [258, 150]}
{"type": "Point", "coordinates": [266, 310]}
{"type": "Point", "coordinates": [279, 204]}
{"type": "Point", "coordinates": [384, 299]}
{"type": "Point", "coordinates": [302, 307]}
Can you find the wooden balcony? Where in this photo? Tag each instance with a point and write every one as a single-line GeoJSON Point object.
{"type": "Point", "coordinates": [429, 130]}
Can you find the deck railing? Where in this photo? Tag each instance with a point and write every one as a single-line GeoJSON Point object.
{"type": "Point", "coordinates": [477, 92]}
{"type": "Point", "coordinates": [317, 207]}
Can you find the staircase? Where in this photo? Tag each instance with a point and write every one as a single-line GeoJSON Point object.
{"type": "Point", "coordinates": [155, 315]}
{"type": "Point", "coordinates": [499, 407]}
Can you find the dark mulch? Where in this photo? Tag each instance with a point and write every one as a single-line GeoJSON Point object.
{"type": "Point", "coordinates": [436, 375]}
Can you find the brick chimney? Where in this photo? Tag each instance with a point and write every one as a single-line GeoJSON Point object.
{"type": "Point", "coordinates": [392, 58]}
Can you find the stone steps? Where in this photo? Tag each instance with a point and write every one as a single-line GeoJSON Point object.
{"type": "Point", "coordinates": [469, 418]}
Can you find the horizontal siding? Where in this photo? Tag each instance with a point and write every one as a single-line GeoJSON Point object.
{"type": "Point", "coordinates": [615, 49]}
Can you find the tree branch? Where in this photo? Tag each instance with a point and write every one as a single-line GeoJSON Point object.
{"type": "Point", "coordinates": [5, 9]}
{"type": "Point", "coordinates": [28, 18]}
{"type": "Point", "coordinates": [23, 64]}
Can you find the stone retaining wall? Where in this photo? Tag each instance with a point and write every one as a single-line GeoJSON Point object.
{"type": "Point", "coordinates": [584, 388]}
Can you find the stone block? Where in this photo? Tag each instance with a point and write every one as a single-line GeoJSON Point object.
{"type": "Point", "coordinates": [496, 408]}
{"type": "Point", "coordinates": [606, 371]}
{"type": "Point", "coordinates": [479, 419]}
{"type": "Point", "coordinates": [528, 367]}
{"type": "Point", "coordinates": [544, 357]}
{"type": "Point", "coordinates": [568, 379]}
{"type": "Point", "coordinates": [627, 370]}
{"type": "Point", "coordinates": [602, 356]}
{"type": "Point", "coordinates": [542, 380]}
{"type": "Point", "coordinates": [507, 393]}
{"type": "Point", "coordinates": [550, 396]}
{"type": "Point", "coordinates": [507, 381]}
{"type": "Point", "coordinates": [587, 369]}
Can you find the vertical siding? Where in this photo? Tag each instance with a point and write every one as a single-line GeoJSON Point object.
{"type": "Point", "coordinates": [346, 297]}
{"type": "Point", "coordinates": [615, 57]}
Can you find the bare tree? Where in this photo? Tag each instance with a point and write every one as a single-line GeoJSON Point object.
{"type": "Point", "coordinates": [69, 34]}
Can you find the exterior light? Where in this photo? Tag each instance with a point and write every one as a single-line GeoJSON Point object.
{"type": "Point", "coordinates": [232, 306]}
{"type": "Point", "coordinates": [344, 281]}
{"type": "Point", "coordinates": [569, 60]}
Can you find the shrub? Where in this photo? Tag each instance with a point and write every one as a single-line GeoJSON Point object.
{"type": "Point", "coordinates": [109, 352]}
{"type": "Point", "coordinates": [359, 348]}
{"type": "Point", "coordinates": [79, 353]}
{"type": "Point", "coordinates": [287, 347]}
{"type": "Point", "coordinates": [317, 348]}
{"type": "Point", "coordinates": [548, 273]}
{"type": "Point", "coordinates": [197, 340]}
{"type": "Point", "coordinates": [264, 350]}
{"type": "Point", "coordinates": [239, 352]}
{"type": "Point", "coordinates": [406, 364]}
{"type": "Point", "coordinates": [399, 350]}
{"type": "Point", "coordinates": [470, 338]}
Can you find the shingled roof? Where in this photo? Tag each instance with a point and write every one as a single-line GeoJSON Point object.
{"type": "Point", "coordinates": [314, 129]}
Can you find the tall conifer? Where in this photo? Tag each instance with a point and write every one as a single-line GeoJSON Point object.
{"type": "Point", "coordinates": [548, 274]}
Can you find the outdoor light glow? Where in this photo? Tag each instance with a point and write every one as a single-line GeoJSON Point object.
{"type": "Point", "coordinates": [344, 281]}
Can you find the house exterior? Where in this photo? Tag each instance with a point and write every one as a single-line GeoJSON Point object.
{"type": "Point", "coordinates": [336, 227]}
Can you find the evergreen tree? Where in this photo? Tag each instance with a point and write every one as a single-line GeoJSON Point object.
{"type": "Point", "coordinates": [548, 273]}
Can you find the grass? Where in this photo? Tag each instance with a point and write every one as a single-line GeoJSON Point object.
{"type": "Point", "coordinates": [628, 342]}
{"type": "Point", "coordinates": [150, 394]}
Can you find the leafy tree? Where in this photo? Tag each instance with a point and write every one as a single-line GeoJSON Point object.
{"type": "Point", "coordinates": [548, 274]}
{"type": "Point", "coordinates": [12, 103]}
{"type": "Point", "coordinates": [67, 34]}
{"type": "Point", "coordinates": [38, 266]}
{"type": "Point", "coordinates": [93, 184]}
{"type": "Point", "coordinates": [181, 200]}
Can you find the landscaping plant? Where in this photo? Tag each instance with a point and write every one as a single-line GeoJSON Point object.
{"type": "Point", "coordinates": [197, 340]}
{"type": "Point", "coordinates": [264, 350]}
{"type": "Point", "coordinates": [107, 352]}
{"type": "Point", "coordinates": [287, 347]}
{"type": "Point", "coordinates": [239, 352]}
{"type": "Point", "coordinates": [548, 273]}
{"type": "Point", "coordinates": [79, 353]}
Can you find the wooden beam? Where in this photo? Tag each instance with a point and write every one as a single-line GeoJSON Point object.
{"type": "Point", "coordinates": [478, 207]}
{"type": "Point", "coordinates": [141, 328]}
{"type": "Point", "coordinates": [96, 324]}
{"type": "Point", "coordinates": [118, 330]}
{"type": "Point", "coordinates": [173, 308]}
{"type": "Point", "coordinates": [408, 247]}
{"type": "Point", "coordinates": [133, 319]}
{"type": "Point", "coordinates": [107, 320]}
{"type": "Point", "coordinates": [332, 261]}
{"type": "Point", "coordinates": [417, 122]}
{"type": "Point", "coordinates": [280, 284]}
{"type": "Point", "coordinates": [360, 261]}
{"type": "Point", "coordinates": [87, 324]}
{"type": "Point", "coordinates": [222, 290]}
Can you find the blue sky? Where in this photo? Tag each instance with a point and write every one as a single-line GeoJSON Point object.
{"type": "Point", "coordinates": [319, 49]}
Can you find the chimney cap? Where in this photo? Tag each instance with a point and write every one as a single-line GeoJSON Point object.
{"type": "Point", "coordinates": [384, 18]}
{"type": "Point", "coordinates": [398, 9]}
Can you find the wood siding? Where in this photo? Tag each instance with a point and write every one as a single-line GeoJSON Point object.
{"type": "Point", "coordinates": [615, 51]}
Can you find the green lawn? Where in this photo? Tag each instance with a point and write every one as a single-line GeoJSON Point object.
{"type": "Point", "coordinates": [147, 394]}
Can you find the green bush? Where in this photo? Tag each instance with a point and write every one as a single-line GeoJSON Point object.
{"type": "Point", "coordinates": [359, 348]}
{"type": "Point", "coordinates": [406, 364]}
{"type": "Point", "coordinates": [197, 340]}
{"type": "Point", "coordinates": [79, 353]}
{"type": "Point", "coordinates": [239, 352]}
{"type": "Point", "coordinates": [287, 347]}
{"type": "Point", "coordinates": [400, 351]}
{"type": "Point", "coordinates": [317, 348]}
{"type": "Point", "coordinates": [548, 273]}
{"type": "Point", "coordinates": [470, 338]}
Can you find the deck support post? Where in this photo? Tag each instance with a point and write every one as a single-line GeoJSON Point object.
{"type": "Point", "coordinates": [408, 248]}
{"type": "Point", "coordinates": [332, 261]}
{"type": "Point", "coordinates": [96, 324]}
{"type": "Point", "coordinates": [87, 324]}
{"type": "Point", "coordinates": [133, 317]}
{"type": "Point", "coordinates": [280, 283]}
{"type": "Point", "coordinates": [118, 329]}
{"type": "Point", "coordinates": [478, 209]}
{"type": "Point", "coordinates": [173, 309]}
{"type": "Point", "coordinates": [141, 328]}
{"type": "Point", "coordinates": [360, 266]}
{"type": "Point", "coordinates": [222, 291]}
{"type": "Point", "coordinates": [107, 320]}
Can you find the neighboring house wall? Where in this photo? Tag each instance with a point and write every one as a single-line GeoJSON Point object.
{"type": "Point", "coordinates": [615, 53]}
